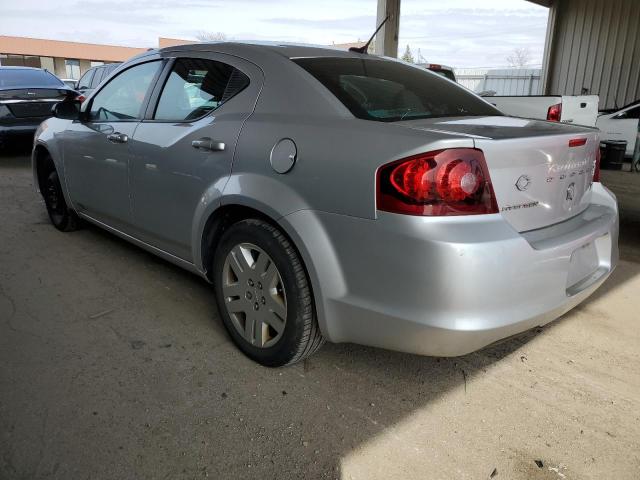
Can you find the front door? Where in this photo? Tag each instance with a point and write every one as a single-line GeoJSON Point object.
{"type": "Point", "coordinates": [96, 149]}
{"type": "Point", "coordinates": [186, 144]}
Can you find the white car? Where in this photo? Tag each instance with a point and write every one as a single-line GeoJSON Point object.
{"type": "Point", "coordinates": [621, 124]}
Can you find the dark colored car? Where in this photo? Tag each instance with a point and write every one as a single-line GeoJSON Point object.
{"type": "Point", "coordinates": [92, 77]}
{"type": "Point", "coordinates": [26, 97]}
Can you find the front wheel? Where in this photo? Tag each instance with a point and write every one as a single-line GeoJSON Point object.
{"type": "Point", "coordinates": [62, 217]}
{"type": "Point", "coordinates": [264, 295]}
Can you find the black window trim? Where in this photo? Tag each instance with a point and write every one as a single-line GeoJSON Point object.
{"type": "Point", "coordinates": [145, 101]}
{"type": "Point", "coordinates": [164, 77]}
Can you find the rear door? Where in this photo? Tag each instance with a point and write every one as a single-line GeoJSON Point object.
{"type": "Point", "coordinates": [185, 144]}
{"type": "Point", "coordinates": [96, 149]}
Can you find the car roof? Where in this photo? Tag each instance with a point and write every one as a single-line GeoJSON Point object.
{"type": "Point", "coordinates": [22, 68]}
{"type": "Point", "coordinates": [288, 50]}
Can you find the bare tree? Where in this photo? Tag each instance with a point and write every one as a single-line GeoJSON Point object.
{"type": "Point", "coordinates": [521, 57]}
{"type": "Point", "coordinates": [211, 36]}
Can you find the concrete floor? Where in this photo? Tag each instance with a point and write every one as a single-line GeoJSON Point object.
{"type": "Point", "coordinates": [115, 365]}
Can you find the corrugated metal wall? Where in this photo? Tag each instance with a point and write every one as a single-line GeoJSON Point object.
{"type": "Point", "coordinates": [596, 50]}
{"type": "Point", "coordinates": [513, 81]}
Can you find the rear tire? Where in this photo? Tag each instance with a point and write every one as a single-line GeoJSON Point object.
{"type": "Point", "coordinates": [61, 216]}
{"type": "Point", "coordinates": [263, 294]}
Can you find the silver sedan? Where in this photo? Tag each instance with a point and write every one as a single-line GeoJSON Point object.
{"type": "Point", "coordinates": [335, 195]}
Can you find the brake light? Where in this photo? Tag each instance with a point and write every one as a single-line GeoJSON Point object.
{"type": "Point", "coordinates": [577, 142]}
{"type": "Point", "coordinates": [554, 112]}
{"type": "Point", "coordinates": [596, 166]}
{"type": "Point", "coordinates": [81, 98]}
{"type": "Point", "coordinates": [435, 66]}
{"type": "Point", "coordinates": [444, 182]}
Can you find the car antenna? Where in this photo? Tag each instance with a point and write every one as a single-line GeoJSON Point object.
{"type": "Point", "coordinates": [365, 47]}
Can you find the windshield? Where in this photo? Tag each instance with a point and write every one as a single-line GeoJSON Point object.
{"type": "Point", "coordinates": [389, 91]}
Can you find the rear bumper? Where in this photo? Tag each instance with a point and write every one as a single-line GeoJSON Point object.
{"type": "Point", "coordinates": [27, 126]}
{"type": "Point", "coordinates": [449, 286]}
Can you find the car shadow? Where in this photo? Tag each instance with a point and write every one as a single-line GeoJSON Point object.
{"type": "Point", "coordinates": [303, 419]}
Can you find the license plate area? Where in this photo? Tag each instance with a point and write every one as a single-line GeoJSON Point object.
{"type": "Point", "coordinates": [588, 263]}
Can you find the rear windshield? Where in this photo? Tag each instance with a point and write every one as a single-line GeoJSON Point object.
{"type": "Point", "coordinates": [445, 73]}
{"type": "Point", "coordinates": [10, 78]}
{"type": "Point", "coordinates": [388, 91]}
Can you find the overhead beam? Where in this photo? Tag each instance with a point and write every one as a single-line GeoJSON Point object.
{"type": "Point", "coordinates": [387, 38]}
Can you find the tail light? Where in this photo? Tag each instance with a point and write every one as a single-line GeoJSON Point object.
{"type": "Point", "coordinates": [444, 182]}
{"type": "Point", "coordinates": [596, 166]}
{"type": "Point", "coordinates": [554, 112]}
{"type": "Point", "coordinates": [81, 98]}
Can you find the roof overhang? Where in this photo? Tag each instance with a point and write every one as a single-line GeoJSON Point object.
{"type": "Point", "coordinates": [542, 3]}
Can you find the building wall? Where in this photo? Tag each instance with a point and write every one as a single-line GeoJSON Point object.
{"type": "Point", "coordinates": [512, 81]}
{"type": "Point", "coordinates": [60, 69]}
{"type": "Point", "coordinates": [594, 47]}
{"type": "Point", "coordinates": [59, 48]}
{"type": "Point", "coordinates": [52, 54]}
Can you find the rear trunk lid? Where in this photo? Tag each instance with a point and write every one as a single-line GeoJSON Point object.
{"type": "Point", "coordinates": [32, 102]}
{"type": "Point", "coordinates": [538, 178]}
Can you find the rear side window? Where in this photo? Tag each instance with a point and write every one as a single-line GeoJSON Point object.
{"type": "Point", "coordinates": [22, 77]}
{"type": "Point", "coordinates": [196, 87]}
{"type": "Point", "coordinates": [122, 97]}
{"type": "Point", "coordinates": [388, 91]}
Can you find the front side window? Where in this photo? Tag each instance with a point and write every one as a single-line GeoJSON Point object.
{"type": "Point", "coordinates": [123, 96]}
{"type": "Point", "coordinates": [85, 80]}
{"type": "Point", "coordinates": [388, 91]}
{"type": "Point", "coordinates": [97, 77]}
{"type": "Point", "coordinates": [196, 87]}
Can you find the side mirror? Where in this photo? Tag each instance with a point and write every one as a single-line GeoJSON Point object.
{"type": "Point", "coordinates": [67, 110]}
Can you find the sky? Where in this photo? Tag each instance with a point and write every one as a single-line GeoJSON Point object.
{"type": "Point", "coordinates": [459, 33]}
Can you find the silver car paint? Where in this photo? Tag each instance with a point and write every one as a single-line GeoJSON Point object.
{"type": "Point", "coordinates": [441, 286]}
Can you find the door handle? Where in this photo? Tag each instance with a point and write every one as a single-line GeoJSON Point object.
{"type": "Point", "coordinates": [118, 137]}
{"type": "Point", "coordinates": [209, 145]}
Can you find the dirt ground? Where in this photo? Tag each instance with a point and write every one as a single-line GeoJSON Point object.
{"type": "Point", "coordinates": [115, 365]}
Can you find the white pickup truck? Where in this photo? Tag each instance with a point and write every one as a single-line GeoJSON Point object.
{"type": "Point", "coordinates": [573, 109]}
{"type": "Point", "coordinates": [621, 124]}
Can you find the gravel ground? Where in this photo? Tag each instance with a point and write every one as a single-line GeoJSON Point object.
{"type": "Point", "coordinates": [115, 365]}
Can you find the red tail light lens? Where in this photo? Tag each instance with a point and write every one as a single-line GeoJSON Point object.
{"type": "Point", "coordinates": [81, 98]}
{"type": "Point", "coordinates": [554, 112]}
{"type": "Point", "coordinates": [577, 142]}
{"type": "Point", "coordinates": [596, 166]}
{"type": "Point", "coordinates": [444, 182]}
